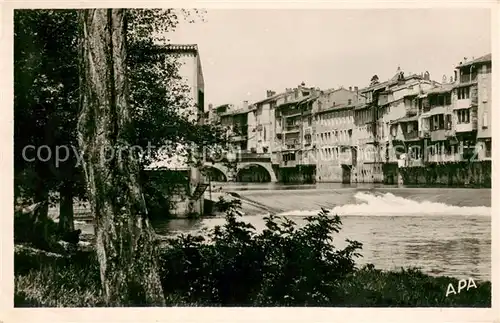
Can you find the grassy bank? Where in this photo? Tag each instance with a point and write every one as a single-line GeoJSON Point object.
{"type": "Point", "coordinates": [74, 285]}
{"type": "Point", "coordinates": [236, 265]}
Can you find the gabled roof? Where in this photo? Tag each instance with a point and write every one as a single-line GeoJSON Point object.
{"type": "Point", "coordinates": [483, 59]}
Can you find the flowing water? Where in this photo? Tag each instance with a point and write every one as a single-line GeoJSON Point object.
{"type": "Point", "coordinates": [442, 231]}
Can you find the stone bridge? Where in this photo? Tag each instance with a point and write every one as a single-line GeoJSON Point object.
{"type": "Point", "coordinates": [231, 174]}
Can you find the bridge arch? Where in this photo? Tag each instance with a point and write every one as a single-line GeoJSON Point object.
{"type": "Point", "coordinates": [216, 172]}
{"type": "Point", "coordinates": [255, 171]}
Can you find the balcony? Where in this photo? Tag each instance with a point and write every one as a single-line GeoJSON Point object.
{"type": "Point", "coordinates": [288, 163]}
{"type": "Point", "coordinates": [292, 128]}
{"type": "Point", "coordinates": [414, 163]}
{"type": "Point", "coordinates": [462, 104]}
{"type": "Point", "coordinates": [425, 133]}
{"type": "Point", "coordinates": [411, 135]}
{"type": "Point", "coordinates": [255, 157]}
{"type": "Point", "coordinates": [290, 146]}
{"type": "Point", "coordinates": [445, 158]}
{"type": "Point", "coordinates": [237, 138]}
{"type": "Point", "coordinates": [370, 139]}
{"type": "Point", "coordinates": [467, 78]}
{"type": "Point", "coordinates": [440, 134]}
{"type": "Point", "coordinates": [465, 127]}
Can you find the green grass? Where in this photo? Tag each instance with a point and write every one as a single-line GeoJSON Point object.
{"type": "Point", "coordinates": [76, 285]}
{"type": "Point", "coordinates": [410, 287]}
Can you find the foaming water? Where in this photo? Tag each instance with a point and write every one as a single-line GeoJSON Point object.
{"type": "Point", "coordinates": [390, 205]}
{"type": "Point", "coordinates": [442, 231]}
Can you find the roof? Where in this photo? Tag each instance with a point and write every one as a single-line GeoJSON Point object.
{"type": "Point", "coordinates": [361, 106]}
{"type": "Point", "coordinates": [483, 59]}
{"type": "Point", "coordinates": [336, 107]}
{"type": "Point", "coordinates": [410, 94]}
{"type": "Point", "coordinates": [437, 110]}
{"type": "Point", "coordinates": [181, 47]}
{"type": "Point", "coordinates": [300, 100]}
{"type": "Point", "coordinates": [443, 88]}
{"type": "Point", "coordinates": [337, 90]}
{"type": "Point", "coordinates": [234, 112]}
{"type": "Point", "coordinates": [405, 119]}
{"type": "Point", "coordinates": [274, 97]}
{"type": "Point", "coordinates": [389, 82]}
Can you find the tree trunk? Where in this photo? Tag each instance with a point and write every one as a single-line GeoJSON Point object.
{"type": "Point", "coordinates": [125, 247]}
{"type": "Point", "coordinates": [66, 223]}
{"type": "Point", "coordinates": [40, 215]}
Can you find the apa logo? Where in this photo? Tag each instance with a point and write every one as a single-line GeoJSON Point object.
{"type": "Point", "coordinates": [462, 283]}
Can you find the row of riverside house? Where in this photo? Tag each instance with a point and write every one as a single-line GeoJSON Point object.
{"type": "Point", "coordinates": [409, 129]}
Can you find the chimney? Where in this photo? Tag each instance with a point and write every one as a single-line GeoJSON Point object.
{"type": "Point", "coordinates": [350, 88]}
{"type": "Point", "coordinates": [455, 75]}
{"type": "Point", "coordinates": [245, 105]}
{"type": "Point", "coordinates": [270, 93]}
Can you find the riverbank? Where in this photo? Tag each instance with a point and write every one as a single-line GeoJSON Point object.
{"type": "Point", "coordinates": [235, 264]}
{"type": "Point", "coordinates": [66, 283]}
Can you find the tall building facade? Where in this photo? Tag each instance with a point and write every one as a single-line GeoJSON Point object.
{"type": "Point", "coordinates": [190, 70]}
{"type": "Point", "coordinates": [334, 123]}
{"type": "Point", "coordinates": [472, 105]}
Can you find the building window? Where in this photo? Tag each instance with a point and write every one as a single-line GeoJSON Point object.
{"type": "Point", "coordinates": [349, 102]}
{"type": "Point", "coordinates": [463, 116]}
{"type": "Point", "coordinates": [309, 121]}
{"type": "Point", "coordinates": [485, 94]}
{"type": "Point", "coordinates": [485, 120]}
{"type": "Point", "coordinates": [308, 139]}
{"type": "Point", "coordinates": [463, 93]}
{"type": "Point", "coordinates": [437, 122]}
{"type": "Point", "coordinates": [448, 122]}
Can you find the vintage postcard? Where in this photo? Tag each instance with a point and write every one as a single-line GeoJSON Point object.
{"type": "Point", "coordinates": [236, 162]}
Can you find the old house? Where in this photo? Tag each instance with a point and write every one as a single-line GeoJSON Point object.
{"type": "Point", "coordinates": [334, 119]}
{"type": "Point", "coordinates": [190, 189]}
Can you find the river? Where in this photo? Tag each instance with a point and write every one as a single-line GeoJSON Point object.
{"type": "Point", "coordinates": [443, 231]}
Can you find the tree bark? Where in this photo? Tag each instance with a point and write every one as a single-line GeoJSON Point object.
{"type": "Point", "coordinates": [125, 247]}
{"type": "Point", "coordinates": [66, 212]}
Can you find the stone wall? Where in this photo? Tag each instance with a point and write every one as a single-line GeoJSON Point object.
{"type": "Point", "coordinates": [304, 174]}
{"type": "Point", "coordinates": [451, 174]}
{"type": "Point", "coordinates": [367, 173]}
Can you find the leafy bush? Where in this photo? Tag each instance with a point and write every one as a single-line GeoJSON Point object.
{"type": "Point", "coordinates": [282, 265]}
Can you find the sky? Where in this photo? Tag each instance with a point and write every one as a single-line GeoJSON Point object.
{"type": "Point", "coordinates": [246, 52]}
